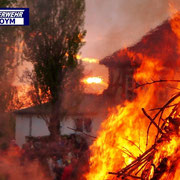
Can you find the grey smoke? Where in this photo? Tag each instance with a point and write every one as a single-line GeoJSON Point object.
{"type": "Point", "coordinates": [113, 24]}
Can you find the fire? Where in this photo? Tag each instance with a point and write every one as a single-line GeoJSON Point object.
{"type": "Point", "coordinates": [123, 135]}
{"type": "Point", "coordinates": [86, 59]}
{"type": "Point", "coordinates": [93, 80]}
{"type": "Point", "coordinates": [81, 37]}
{"type": "Point", "coordinates": [94, 85]}
{"type": "Point", "coordinates": [21, 98]}
{"type": "Point", "coordinates": [25, 97]}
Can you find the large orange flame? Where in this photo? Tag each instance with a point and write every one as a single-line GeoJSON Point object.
{"type": "Point", "coordinates": [25, 97]}
{"type": "Point", "coordinates": [123, 135]}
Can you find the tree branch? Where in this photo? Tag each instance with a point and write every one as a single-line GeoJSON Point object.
{"type": "Point", "coordinates": [157, 81]}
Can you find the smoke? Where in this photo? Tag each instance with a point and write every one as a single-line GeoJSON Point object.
{"type": "Point", "coordinates": [12, 167]}
{"type": "Point", "coordinates": [13, 163]}
{"type": "Point", "coordinates": [114, 25]}
{"type": "Point", "coordinates": [73, 90]}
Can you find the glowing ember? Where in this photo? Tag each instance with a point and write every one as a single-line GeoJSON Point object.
{"type": "Point", "coordinates": [93, 80]}
{"type": "Point", "coordinates": [94, 85]}
{"type": "Point", "coordinates": [86, 59]}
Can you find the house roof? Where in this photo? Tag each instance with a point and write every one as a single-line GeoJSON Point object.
{"type": "Point", "coordinates": [90, 105]}
{"type": "Point", "coordinates": [93, 103]}
{"type": "Point", "coordinates": [38, 109]}
{"type": "Point", "coordinates": [160, 43]}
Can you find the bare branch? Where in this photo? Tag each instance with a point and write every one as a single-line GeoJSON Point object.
{"type": "Point", "coordinates": [82, 132]}
{"type": "Point", "coordinates": [133, 144]}
{"type": "Point", "coordinates": [130, 153]}
{"type": "Point", "coordinates": [165, 107]}
{"type": "Point", "coordinates": [152, 121]}
{"type": "Point", "coordinates": [158, 81]}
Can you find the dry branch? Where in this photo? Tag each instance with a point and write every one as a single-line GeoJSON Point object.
{"type": "Point", "coordinates": [140, 166]}
{"type": "Point", "coordinates": [133, 144]}
{"type": "Point", "coordinates": [152, 121]}
{"type": "Point", "coordinates": [81, 132]}
{"type": "Point", "coordinates": [157, 81]}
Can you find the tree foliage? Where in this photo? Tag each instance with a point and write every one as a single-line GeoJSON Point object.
{"type": "Point", "coordinates": [6, 3]}
{"type": "Point", "coordinates": [53, 39]}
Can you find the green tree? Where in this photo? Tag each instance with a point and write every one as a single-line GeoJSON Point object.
{"type": "Point", "coordinates": [53, 39]}
{"type": "Point", "coordinates": [6, 3]}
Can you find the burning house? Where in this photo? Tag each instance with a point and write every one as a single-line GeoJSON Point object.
{"type": "Point", "coordinates": [121, 81]}
{"type": "Point", "coordinates": [140, 140]}
{"type": "Point", "coordinates": [160, 43]}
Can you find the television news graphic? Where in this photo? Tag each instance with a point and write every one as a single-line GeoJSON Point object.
{"type": "Point", "coordinates": [14, 16]}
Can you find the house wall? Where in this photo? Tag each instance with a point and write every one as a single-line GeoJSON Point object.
{"type": "Point", "coordinates": [68, 122]}
{"type": "Point", "coordinates": [97, 120]}
{"type": "Point", "coordinates": [39, 127]}
{"type": "Point", "coordinates": [22, 129]}
{"type": "Point", "coordinates": [121, 84]}
{"type": "Point", "coordinates": [96, 123]}
{"type": "Point", "coordinates": [28, 125]}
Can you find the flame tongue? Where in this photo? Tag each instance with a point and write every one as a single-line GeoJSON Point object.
{"type": "Point", "coordinates": [87, 59]}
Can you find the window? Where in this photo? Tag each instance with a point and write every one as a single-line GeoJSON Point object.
{"type": "Point", "coordinates": [88, 124]}
{"type": "Point", "coordinates": [79, 124]}
{"type": "Point", "coordinates": [83, 124]}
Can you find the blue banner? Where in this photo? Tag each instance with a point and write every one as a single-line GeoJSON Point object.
{"type": "Point", "coordinates": [14, 16]}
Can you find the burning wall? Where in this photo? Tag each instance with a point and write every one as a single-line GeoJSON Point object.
{"type": "Point", "coordinates": [160, 43]}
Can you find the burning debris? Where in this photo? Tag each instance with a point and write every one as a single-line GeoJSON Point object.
{"type": "Point", "coordinates": [161, 159]}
